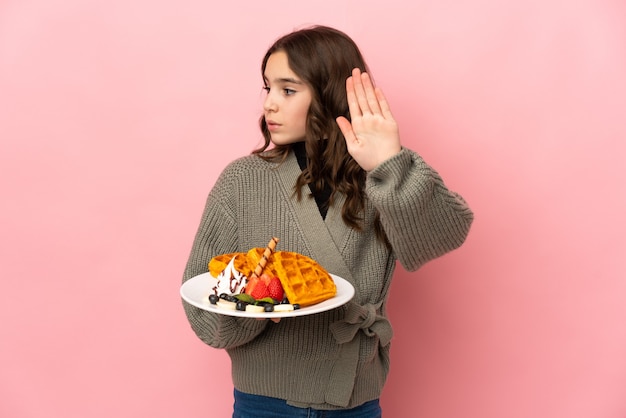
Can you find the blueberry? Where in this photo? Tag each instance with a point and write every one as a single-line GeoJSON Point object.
{"type": "Point", "coordinates": [296, 306]}
{"type": "Point", "coordinates": [213, 298]}
{"type": "Point", "coordinates": [269, 307]}
{"type": "Point", "coordinates": [241, 305]}
{"type": "Point", "coordinates": [229, 298]}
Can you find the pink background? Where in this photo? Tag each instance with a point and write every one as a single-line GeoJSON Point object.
{"type": "Point", "coordinates": [116, 117]}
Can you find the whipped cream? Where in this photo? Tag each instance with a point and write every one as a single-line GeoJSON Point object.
{"type": "Point", "coordinates": [230, 280]}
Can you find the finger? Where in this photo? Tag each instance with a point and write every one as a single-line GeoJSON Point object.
{"type": "Point", "coordinates": [370, 93]}
{"type": "Point", "coordinates": [346, 129]}
{"type": "Point", "coordinates": [383, 103]}
{"type": "Point", "coordinates": [359, 91]}
{"type": "Point", "coordinates": [353, 103]}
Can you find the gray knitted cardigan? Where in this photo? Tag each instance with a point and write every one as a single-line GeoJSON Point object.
{"type": "Point", "coordinates": [340, 358]}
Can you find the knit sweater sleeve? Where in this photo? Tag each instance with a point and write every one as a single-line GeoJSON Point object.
{"type": "Point", "coordinates": [421, 217]}
{"type": "Point", "coordinates": [217, 234]}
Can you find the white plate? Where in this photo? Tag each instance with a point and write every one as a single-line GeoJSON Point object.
{"type": "Point", "coordinates": [197, 289]}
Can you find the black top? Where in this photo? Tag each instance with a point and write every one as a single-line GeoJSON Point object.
{"type": "Point", "coordinates": [321, 196]}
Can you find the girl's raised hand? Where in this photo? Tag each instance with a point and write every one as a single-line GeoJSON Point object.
{"type": "Point", "coordinates": [373, 135]}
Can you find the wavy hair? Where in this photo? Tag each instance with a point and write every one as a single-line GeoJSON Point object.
{"type": "Point", "coordinates": [323, 58]}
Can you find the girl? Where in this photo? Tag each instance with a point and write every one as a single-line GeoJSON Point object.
{"type": "Point", "coordinates": [333, 182]}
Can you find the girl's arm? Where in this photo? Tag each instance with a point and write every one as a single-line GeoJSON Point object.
{"type": "Point", "coordinates": [217, 234]}
{"type": "Point", "coordinates": [421, 217]}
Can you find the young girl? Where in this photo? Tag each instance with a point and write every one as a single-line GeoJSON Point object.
{"type": "Point", "coordinates": [332, 182]}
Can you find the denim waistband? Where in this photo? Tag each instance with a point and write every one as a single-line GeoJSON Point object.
{"type": "Point", "coordinates": [256, 406]}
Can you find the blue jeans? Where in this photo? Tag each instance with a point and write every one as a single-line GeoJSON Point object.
{"type": "Point", "coordinates": [256, 406]}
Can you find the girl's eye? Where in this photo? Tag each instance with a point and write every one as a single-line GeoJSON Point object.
{"type": "Point", "coordinates": [286, 91]}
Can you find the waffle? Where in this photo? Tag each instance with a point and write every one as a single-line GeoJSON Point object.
{"type": "Point", "coordinates": [255, 255]}
{"type": "Point", "coordinates": [219, 263]}
{"type": "Point", "coordinates": [304, 281]}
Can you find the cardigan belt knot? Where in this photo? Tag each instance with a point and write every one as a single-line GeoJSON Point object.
{"type": "Point", "coordinates": [358, 317]}
{"type": "Point", "coordinates": [364, 318]}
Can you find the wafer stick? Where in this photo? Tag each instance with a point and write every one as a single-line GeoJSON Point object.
{"type": "Point", "coordinates": [266, 255]}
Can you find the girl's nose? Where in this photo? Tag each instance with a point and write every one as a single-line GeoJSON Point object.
{"type": "Point", "coordinates": [269, 105]}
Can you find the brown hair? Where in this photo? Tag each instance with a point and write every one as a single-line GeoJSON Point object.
{"type": "Point", "coordinates": [323, 58]}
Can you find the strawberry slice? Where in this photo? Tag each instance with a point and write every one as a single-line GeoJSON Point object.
{"type": "Point", "coordinates": [257, 287]}
{"type": "Point", "coordinates": [260, 291]}
{"type": "Point", "coordinates": [275, 289]}
{"type": "Point", "coordinates": [251, 284]}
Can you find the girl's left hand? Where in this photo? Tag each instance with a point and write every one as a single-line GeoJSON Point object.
{"type": "Point", "coordinates": [373, 135]}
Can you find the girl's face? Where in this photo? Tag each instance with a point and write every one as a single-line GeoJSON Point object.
{"type": "Point", "coordinates": [287, 101]}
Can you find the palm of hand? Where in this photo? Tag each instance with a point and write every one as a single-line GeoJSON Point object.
{"type": "Point", "coordinates": [373, 135]}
